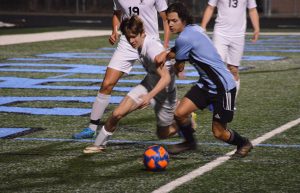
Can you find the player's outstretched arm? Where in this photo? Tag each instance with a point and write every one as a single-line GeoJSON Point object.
{"type": "Point", "coordinates": [255, 23]}
{"type": "Point", "coordinates": [209, 11]}
{"type": "Point", "coordinates": [116, 20]}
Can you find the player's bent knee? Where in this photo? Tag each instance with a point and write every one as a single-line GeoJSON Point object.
{"type": "Point", "coordinates": [106, 88]}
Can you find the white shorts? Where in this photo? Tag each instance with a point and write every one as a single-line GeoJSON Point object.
{"type": "Point", "coordinates": [163, 108]}
{"type": "Point", "coordinates": [124, 56]}
{"type": "Point", "coordinates": [231, 49]}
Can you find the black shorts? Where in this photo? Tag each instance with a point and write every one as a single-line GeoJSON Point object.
{"type": "Point", "coordinates": [223, 103]}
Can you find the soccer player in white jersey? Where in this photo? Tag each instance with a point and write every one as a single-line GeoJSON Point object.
{"type": "Point", "coordinates": [125, 55]}
{"type": "Point", "coordinates": [215, 86]}
{"type": "Point", "coordinates": [157, 88]}
{"type": "Point", "coordinates": [229, 30]}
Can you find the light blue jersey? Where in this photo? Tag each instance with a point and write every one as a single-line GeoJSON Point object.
{"type": "Point", "coordinates": [194, 45]}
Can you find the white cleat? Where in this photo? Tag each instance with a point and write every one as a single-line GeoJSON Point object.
{"type": "Point", "coordinates": [93, 149]}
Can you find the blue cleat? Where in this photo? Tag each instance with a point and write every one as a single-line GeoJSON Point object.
{"type": "Point", "coordinates": [84, 134]}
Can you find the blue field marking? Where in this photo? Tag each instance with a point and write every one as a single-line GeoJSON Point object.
{"type": "Point", "coordinates": [107, 49]}
{"type": "Point", "coordinates": [71, 69]}
{"type": "Point", "coordinates": [10, 99]}
{"type": "Point", "coordinates": [31, 59]}
{"type": "Point", "coordinates": [4, 132]}
{"type": "Point", "coordinates": [117, 141]}
{"type": "Point", "coordinates": [50, 111]}
{"type": "Point", "coordinates": [68, 55]}
{"type": "Point", "coordinates": [46, 111]}
{"type": "Point", "coordinates": [262, 58]}
{"type": "Point", "coordinates": [15, 82]}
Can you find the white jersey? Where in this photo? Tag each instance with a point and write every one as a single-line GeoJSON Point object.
{"type": "Point", "coordinates": [231, 19]}
{"type": "Point", "coordinates": [151, 48]}
{"type": "Point", "coordinates": [145, 9]}
{"type": "Point", "coordinates": [164, 102]}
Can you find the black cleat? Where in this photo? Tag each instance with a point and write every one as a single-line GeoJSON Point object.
{"type": "Point", "coordinates": [243, 150]}
{"type": "Point", "coordinates": [181, 147]}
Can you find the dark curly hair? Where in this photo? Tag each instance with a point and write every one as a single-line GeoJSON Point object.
{"type": "Point", "coordinates": [182, 11]}
{"type": "Point", "coordinates": [132, 25]}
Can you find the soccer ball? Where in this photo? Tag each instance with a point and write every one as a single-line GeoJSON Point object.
{"type": "Point", "coordinates": [156, 158]}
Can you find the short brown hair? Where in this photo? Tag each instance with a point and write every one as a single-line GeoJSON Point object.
{"type": "Point", "coordinates": [132, 25]}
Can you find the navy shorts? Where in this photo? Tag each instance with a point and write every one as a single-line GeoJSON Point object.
{"type": "Point", "coordinates": [223, 103]}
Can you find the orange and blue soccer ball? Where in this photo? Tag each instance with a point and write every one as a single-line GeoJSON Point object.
{"type": "Point", "coordinates": [156, 158]}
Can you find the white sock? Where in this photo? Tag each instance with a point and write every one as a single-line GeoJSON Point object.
{"type": "Point", "coordinates": [99, 106]}
{"type": "Point", "coordinates": [102, 137]}
{"type": "Point", "coordinates": [238, 83]}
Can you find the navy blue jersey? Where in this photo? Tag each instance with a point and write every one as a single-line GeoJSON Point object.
{"type": "Point", "coordinates": [194, 45]}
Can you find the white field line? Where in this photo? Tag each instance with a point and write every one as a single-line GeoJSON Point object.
{"type": "Point", "coordinates": [211, 165]}
{"type": "Point", "coordinates": [47, 36]}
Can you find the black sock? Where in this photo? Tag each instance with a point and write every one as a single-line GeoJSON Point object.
{"type": "Point", "coordinates": [187, 132]}
{"type": "Point", "coordinates": [95, 122]}
{"type": "Point", "coordinates": [235, 138]}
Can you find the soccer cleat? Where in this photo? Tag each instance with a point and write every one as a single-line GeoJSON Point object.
{"type": "Point", "coordinates": [243, 150]}
{"type": "Point", "coordinates": [93, 149]}
{"type": "Point", "coordinates": [182, 147]}
{"type": "Point", "coordinates": [84, 134]}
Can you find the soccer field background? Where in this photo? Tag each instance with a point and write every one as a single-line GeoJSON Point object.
{"type": "Point", "coordinates": [46, 92]}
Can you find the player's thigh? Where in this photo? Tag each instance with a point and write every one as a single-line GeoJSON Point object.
{"type": "Point", "coordinates": [111, 78]}
{"type": "Point", "coordinates": [137, 92]}
{"type": "Point", "coordinates": [124, 56]}
{"type": "Point", "coordinates": [236, 50]}
{"type": "Point", "coordinates": [221, 43]}
{"type": "Point", "coordinates": [126, 106]}
{"type": "Point", "coordinates": [164, 109]}
{"type": "Point", "coordinates": [224, 107]}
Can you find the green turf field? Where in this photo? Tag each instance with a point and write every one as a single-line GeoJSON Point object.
{"type": "Point", "coordinates": [269, 98]}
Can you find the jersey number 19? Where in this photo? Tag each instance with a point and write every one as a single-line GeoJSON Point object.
{"type": "Point", "coordinates": [134, 10]}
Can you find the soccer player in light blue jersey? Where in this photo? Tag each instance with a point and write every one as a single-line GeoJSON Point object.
{"type": "Point", "coordinates": [215, 86]}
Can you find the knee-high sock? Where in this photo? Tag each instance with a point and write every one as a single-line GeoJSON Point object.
{"type": "Point", "coordinates": [102, 137]}
{"type": "Point", "coordinates": [99, 106]}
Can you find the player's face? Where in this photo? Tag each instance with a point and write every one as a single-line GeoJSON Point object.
{"type": "Point", "coordinates": [136, 41]}
{"type": "Point", "coordinates": [175, 23]}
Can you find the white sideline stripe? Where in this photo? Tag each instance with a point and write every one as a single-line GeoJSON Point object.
{"type": "Point", "coordinates": [211, 165]}
{"type": "Point", "coordinates": [47, 36]}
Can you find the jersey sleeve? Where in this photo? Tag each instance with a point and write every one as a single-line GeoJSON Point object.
{"type": "Point", "coordinates": [251, 4]}
{"type": "Point", "coordinates": [213, 3]}
{"type": "Point", "coordinates": [117, 5]}
{"type": "Point", "coordinates": [161, 5]}
{"type": "Point", "coordinates": [182, 47]}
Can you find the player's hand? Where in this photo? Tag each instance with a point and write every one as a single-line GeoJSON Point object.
{"type": "Point", "coordinates": [113, 38]}
{"type": "Point", "coordinates": [255, 36]}
{"type": "Point", "coordinates": [145, 101]}
{"type": "Point", "coordinates": [181, 75]}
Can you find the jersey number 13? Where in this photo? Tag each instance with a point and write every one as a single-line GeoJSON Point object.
{"type": "Point", "coordinates": [233, 3]}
